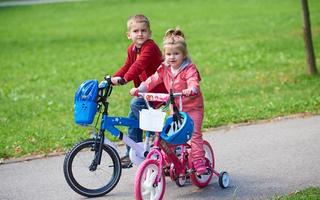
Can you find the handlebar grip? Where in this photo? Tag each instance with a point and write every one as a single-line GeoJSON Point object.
{"type": "Point", "coordinates": [178, 94]}
{"type": "Point", "coordinates": [122, 81]}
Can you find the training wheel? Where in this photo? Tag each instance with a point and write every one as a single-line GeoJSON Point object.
{"type": "Point", "coordinates": [224, 179]}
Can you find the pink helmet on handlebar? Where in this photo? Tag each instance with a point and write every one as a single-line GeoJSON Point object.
{"type": "Point", "coordinates": [178, 133]}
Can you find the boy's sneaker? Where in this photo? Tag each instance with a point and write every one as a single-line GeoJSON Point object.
{"type": "Point", "coordinates": [125, 162]}
{"type": "Point", "coordinates": [199, 166]}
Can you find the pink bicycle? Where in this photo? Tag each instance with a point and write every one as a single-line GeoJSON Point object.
{"type": "Point", "coordinates": [170, 155]}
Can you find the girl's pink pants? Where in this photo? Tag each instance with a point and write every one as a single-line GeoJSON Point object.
{"type": "Point", "coordinates": [196, 140]}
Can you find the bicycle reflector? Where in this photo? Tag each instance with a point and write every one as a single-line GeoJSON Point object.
{"type": "Point", "coordinates": [85, 102]}
{"type": "Point", "coordinates": [178, 132]}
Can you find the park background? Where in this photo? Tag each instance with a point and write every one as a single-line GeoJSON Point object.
{"type": "Point", "coordinates": [250, 54]}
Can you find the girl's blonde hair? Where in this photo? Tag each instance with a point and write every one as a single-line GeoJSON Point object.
{"type": "Point", "coordinates": [175, 37]}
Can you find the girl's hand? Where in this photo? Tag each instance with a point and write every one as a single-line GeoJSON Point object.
{"type": "Point", "coordinates": [187, 92]}
{"type": "Point", "coordinates": [134, 92]}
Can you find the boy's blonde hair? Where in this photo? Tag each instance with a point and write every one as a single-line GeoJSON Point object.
{"type": "Point", "coordinates": [139, 18]}
{"type": "Point", "coordinates": [175, 37]}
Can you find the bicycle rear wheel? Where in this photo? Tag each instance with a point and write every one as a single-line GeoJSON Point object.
{"type": "Point", "coordinates": [203, 180]}
{"type": "Point", "coordinates": [94, 182]}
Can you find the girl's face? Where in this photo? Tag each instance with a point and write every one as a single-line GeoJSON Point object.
{"type": "Point", "coordinates": [173, 56]}
{"type": "Point", "coordinates": [139, 33]}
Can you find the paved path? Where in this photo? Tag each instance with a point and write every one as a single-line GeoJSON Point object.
{"type": "Point", "coordinates": [263, 160]}
{"type": "Point", "coordinates": [31, 2]}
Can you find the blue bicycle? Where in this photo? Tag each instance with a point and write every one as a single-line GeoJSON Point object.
{"type": "Point", "coordinates": [92, 167]}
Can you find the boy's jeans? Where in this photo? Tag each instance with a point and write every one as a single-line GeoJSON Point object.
{"type": "Point", "coordinates": [136, 105]}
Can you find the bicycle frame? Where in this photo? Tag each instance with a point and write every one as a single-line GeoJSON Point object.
{"type": "Point", "coordinates": [178, 163]}
{"type": "Point", "coordinates": [109, 124]}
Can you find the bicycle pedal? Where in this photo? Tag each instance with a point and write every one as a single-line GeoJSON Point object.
{"type": "Point", "coordinates": [127, 166]}
{"type": "Point", "coordinates": [208, 172]}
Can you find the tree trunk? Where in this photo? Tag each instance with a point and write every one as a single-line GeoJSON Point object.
{"type": "Point", "coordinates": [312, 69]}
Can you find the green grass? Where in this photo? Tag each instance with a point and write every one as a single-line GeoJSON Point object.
{"type": "Point", "coordinates": [306, 194]}
{"type": "Point", "coordinates": [250, 55]}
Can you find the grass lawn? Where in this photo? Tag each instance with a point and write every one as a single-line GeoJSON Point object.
{"type": "Point", "coordinates": [250, 55]}
{"type": "Point", "coordinates": [306, 194]}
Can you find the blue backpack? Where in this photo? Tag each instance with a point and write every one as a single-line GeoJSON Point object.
{"type": "Point", "coordinates": [85, 102]}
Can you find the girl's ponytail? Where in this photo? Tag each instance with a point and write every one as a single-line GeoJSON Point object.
{"type": "Point", "coordinates": [173, 32]}
{"type": "Point", "coordinates": [175, 37]}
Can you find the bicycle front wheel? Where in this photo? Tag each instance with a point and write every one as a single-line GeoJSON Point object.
{"type": "Point", "coordinates": [85, 180]}
{"type": "Point", "coordinates": [146, 186]}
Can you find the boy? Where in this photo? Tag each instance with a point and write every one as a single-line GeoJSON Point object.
{"type": "Point", "coordinates": [143, 59]}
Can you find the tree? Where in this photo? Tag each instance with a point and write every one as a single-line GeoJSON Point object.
{"type": "Point", "coordinates": [312, 69]}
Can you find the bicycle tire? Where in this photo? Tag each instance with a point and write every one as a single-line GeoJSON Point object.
{"type": "Point", "coordinates": [146, 181]}
{"type": "Point", "coordinates": [91, 183]}
{"type": "Point", "coordinates": [203, 180]}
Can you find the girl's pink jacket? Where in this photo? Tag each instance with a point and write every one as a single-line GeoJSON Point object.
{"type": "Point", "coordinates": [188, 77]}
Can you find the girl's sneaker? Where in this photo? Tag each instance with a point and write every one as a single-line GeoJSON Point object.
{"type": "Point", "coordinates": [199, 166]}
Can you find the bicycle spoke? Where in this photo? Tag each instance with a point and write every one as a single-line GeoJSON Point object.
{"type": "Point", "coordinates": [153, 194]}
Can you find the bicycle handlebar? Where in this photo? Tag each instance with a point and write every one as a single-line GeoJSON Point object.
{"type": "Point", "coordinates": [106, 88]}
{"type": "Point", "coordinates": [162, 97]}
{"type": "Point", "coordinates": [108, 79]}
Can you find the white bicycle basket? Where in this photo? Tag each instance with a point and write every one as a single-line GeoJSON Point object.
{"type": "Point", "coordinates": [151, 120]}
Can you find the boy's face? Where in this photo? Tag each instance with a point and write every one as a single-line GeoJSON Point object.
{"type": "Point", "coordinates": [139, 33]}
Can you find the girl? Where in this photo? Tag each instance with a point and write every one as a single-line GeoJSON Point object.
{"type": "Point", "coordinates": [178, 73]}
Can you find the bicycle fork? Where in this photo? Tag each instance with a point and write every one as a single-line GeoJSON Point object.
{"type": "Point", "coordinates": [98, 151]}
{"type": "Point", "coordinates": [156, 154]}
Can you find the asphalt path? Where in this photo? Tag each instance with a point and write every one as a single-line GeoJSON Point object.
{"type": "Point", "coordinates": [264, 160]}
{"type": "Point", "coordinates": [32, 2]}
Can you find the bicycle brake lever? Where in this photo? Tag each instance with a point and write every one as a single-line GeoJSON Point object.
{"type": "Point", "coordinates": [108, 79]}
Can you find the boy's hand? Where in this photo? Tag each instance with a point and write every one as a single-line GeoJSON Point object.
{"type": "Point", "coordinates": [134, 92]}
{"type": "Point", "coordinates": [117, 80]}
